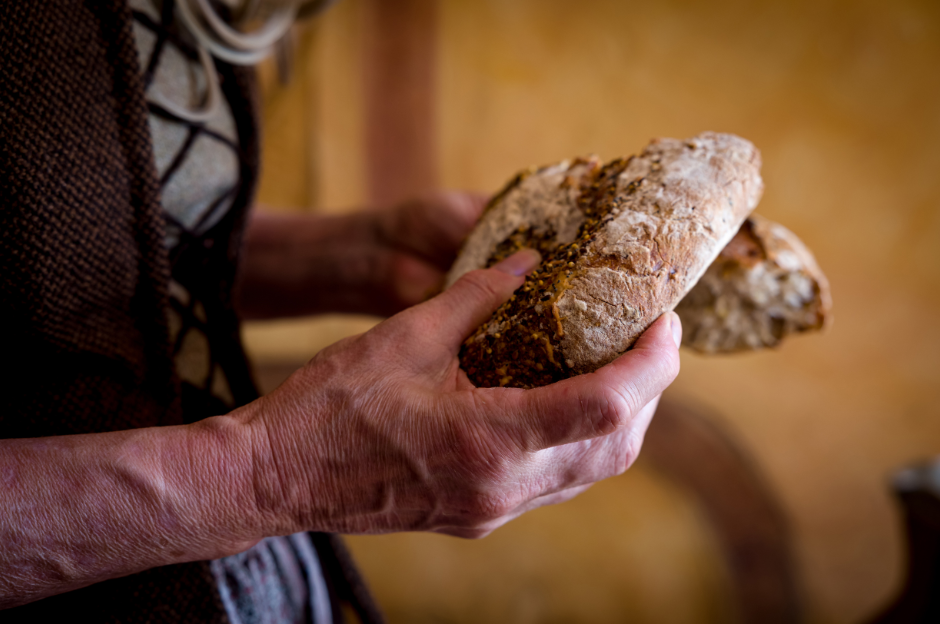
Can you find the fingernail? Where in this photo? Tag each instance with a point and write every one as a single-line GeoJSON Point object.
{"type": "Point", "coordinates": [676, 325]}
{"type": "Point", "coordinates": [520, 262]}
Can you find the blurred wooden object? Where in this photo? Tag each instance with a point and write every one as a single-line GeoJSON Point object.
{"type": "Point", "coordinates": [918, 491]}
{"type": "Point", "coordinates": [686, 444]}
{"type": "Point", "coordinates": [399, 67]}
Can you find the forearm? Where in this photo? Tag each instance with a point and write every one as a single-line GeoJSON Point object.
{"type": "Point", "coordinates": [372, 262]}
{"type": "Point", "coordinates": [294, 265]}
{"type": "Point", "coordinates": [81, 509]}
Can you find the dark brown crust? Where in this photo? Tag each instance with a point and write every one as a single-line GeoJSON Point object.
{"type": "Point", "coordinates": [525, 238]}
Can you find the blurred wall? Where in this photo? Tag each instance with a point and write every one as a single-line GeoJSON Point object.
{"type": "Point", "coordinates": [843, 99]}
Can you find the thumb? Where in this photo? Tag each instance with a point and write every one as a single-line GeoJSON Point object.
{"type": "Point", "coordinates": [474, 297]}
{"type": "Point", "coordinates": [599, 403]}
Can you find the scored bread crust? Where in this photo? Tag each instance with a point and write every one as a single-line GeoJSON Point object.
{"type": "Point", "coordinates": [622, 243]}
{"type": "Point", "coordinates": [537, 209]}
{"type": "Point", "coordinates": [763, 286]}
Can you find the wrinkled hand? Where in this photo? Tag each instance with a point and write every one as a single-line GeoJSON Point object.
{"type": "Point", "coordinates": [370, 262]}
{"type": "Point", "coordinates": [421, 239]}
{"type": "Point", "coordinates": [383, 432]}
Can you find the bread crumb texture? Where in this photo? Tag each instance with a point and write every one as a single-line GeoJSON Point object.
{"type": "Point", "coordinates": [764, 285]}
{"type": "Point", "coordinates": [621, 243]}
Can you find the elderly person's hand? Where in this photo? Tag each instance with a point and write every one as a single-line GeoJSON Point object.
{"type": "Point", "coordinates": [384, 432]}
{"type": "Point", "coordinates": [381, 432]}
{"type": "Point", "coordinates": [422, 238]}
{"type": "Point", "coordinates": [374, 262]}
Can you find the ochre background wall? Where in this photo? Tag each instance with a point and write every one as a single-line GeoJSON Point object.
{"type": "Point", "coordinates": [843, 99]}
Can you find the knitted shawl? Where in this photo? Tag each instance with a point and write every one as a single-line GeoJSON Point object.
{"type": "Point", "coordinates": [84, 272]}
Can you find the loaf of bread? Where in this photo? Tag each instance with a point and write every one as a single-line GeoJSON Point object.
{"type": "Point", "coordinates": [763, 286]}
{"type": "Point", "coordinates": [621, 243]}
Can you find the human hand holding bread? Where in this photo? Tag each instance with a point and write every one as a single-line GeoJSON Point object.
{"type": "Point", "coordinates": [398, 428]}
{"type": "Point", "coordinates": [625, 242]}
{"type": "Point", "coordinates": [384, 432]}
{"type": "Point", "coordinates": [377, 261]}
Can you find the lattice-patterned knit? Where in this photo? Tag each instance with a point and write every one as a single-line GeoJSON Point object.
{"type": "Point", "coordinates": [279, 580]}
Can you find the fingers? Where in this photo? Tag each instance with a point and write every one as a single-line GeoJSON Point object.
{"type": "Point", "coordinates": [458, 311]}
{"type": "Point", "coordinates": [453, 216]}
{"type": "Point", "coordinates": [465, 211]}
{"type": "Point", "coordinates": [641, 424]}
{"type": "Point", "coordinates": [589, 461]}
{"type": "Point", "coordinates": [432, 226]}
{"type": "Point", "coordinates": [602, 402]}
{"type": "Point", "coordinates": [411, 279]}
{"type": "Point", "coordinates": [558, 474]}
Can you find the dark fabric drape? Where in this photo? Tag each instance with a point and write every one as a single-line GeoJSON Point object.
{"type": "Point", "coordinates": [84, 269]}
{"type": "Point", "coordinates": [84, 272]}
{"type": "Point", "coordinates": [83, 286]}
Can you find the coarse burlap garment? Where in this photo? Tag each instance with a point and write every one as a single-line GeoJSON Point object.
{"type": "Point", "coordinates": [84, 274]}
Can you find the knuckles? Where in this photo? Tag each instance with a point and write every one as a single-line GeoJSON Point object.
{"type": "Point", "coordinates": [671, 365]}
{"type": "Point", "coordinates": [615, 409]}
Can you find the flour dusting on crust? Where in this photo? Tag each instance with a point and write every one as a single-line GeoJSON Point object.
{"type": "Point", "coordinates": [622, 243]}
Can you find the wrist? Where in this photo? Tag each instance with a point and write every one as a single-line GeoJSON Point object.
{"type": "Point", "coordinates": [81, 509]}
{"type": "Point", "coordinates": [270, 472]}
{"type": "Point", "coordinates": [295, 265]}
{"type": "Point", "coordinates": [217, 484]}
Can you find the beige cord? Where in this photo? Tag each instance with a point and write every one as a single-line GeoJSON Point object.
{"type": "Point", "coordinates": [228, 44]}
{"type": "Point", "coordinates": [213, 94]}
{"type": "Point", "coordinates": [214, 35]}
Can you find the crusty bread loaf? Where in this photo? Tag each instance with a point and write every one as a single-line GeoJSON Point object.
{"type": "Point", "coordinates": [763, 286]}
{"type": "Point", "coordinates": [621, 244]}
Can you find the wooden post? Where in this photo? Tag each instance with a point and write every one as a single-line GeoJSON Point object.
{"type": "Point", "coordinates": [399, 68]}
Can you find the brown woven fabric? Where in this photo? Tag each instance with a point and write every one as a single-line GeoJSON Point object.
{"type": "Point", "coordinates": [83, 270]}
